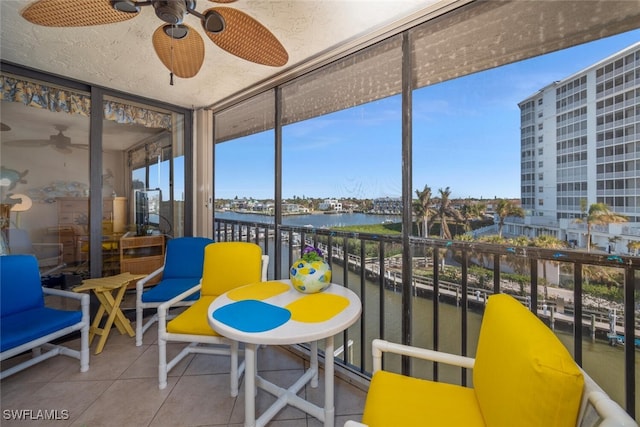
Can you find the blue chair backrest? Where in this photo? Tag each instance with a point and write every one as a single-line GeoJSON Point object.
{"type": "Point", "coordinates": [20, 285]}
{"type": "Point", "coordinates": [185, 257]}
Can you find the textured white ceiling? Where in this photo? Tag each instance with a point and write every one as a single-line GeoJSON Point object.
{"type": "Point", "coordinates": [121, 55]}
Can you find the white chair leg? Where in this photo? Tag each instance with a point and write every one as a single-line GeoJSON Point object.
{"type": "Point", "coordinates": [84, 349]}
{"type": "Point", "coordinates": [234, 368]}
{"type": "Point", "coordinates": [162, 363]}
{"type": "Point", "coordinates": [138, 325]}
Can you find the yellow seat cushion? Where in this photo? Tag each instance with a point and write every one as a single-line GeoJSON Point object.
{"type": "Point", "coordinates": [194, 319]}
{"type": "Point", "coordinates": [395, 400]}
{"type": "Point", "coordinates": [523, 375]}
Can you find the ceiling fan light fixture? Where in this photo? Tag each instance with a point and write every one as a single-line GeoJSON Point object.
{"type": "Point", "coordinates": [213, 22]}
{"type": "Point", "coordinates": [176, 32]}
{"type": "Point", "coordinates": [127, 6]}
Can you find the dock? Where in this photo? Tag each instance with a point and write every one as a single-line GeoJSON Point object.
{"type": "Point", "coordinates": [598, 322]}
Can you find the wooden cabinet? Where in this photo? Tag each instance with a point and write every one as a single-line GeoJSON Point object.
{"type": "Point", "coordinates": [66, 236]}
{"type": "Point", "coordinates": [141, 255]}
{"type": "Point", "coordinates": [73, 223]}
{"type": "Point", "coordinates": [114, 210]}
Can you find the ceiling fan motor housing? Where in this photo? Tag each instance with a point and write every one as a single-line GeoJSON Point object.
{"type": "Point", "coordinates": [173, 11]}
{"type": "Point", "coordinates": [60, 140]}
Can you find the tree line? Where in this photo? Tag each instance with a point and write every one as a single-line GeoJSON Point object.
{"type": "Point", "coordinates": [428, 209]}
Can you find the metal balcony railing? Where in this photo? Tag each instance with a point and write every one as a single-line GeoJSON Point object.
{"type": "Point", "coordinates": [399, 302]}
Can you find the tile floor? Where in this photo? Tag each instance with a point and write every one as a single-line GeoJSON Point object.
{"type": "Point", "coordinates": [121, 389]}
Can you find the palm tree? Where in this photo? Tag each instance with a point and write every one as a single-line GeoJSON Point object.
{"type": "Point", "coordinates": [633, 245]}
{"type": "Point", "coordinates": [548, 242]}
{"type": "Point", "coordinates": [445, 210]}
{"type": "Point", "coordinates": [599, 214]}
{"type": "Point", "coordinates": [422, 209]}
{"type": "Point", "coordinates": [506, 208]}
{"type": "Point", "coordinates": [471, 211]}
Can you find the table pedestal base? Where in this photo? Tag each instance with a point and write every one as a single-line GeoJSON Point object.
{"type": "Point", "coordinates": [289, 396]}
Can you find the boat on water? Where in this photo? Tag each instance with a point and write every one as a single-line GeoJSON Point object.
{"type": "Point", "coordinates": [617, 339]}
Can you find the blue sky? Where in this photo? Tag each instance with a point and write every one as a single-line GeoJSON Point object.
{"type": "Point", "coordinates": [466, 135]}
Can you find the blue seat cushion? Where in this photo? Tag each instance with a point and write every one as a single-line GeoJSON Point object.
{"type": "Point", "coordinates": [169, 288]}
{"type": "Point", "coordinates": [25, 326]}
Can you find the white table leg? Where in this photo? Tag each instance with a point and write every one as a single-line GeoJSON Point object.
{"type": "Point", "coordinates": [329, 410]}
{"type": "Point", "coordinates": [250, 385]}
{"type": "Point", "coordinates": [314, 363]}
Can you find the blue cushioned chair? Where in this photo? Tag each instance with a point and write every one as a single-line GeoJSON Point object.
{"type": "Point", "coordinates": [27, 324]}
{"type": "Point", "coordinates": [181, 271]}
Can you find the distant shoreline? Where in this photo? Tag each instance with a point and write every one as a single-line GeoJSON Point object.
{"type": "Point", "coordinates": [247, 212]}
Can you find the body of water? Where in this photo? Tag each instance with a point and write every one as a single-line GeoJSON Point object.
{"type": "Point", "coordinates": [318, 220]}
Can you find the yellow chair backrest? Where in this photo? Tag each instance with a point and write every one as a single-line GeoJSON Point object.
{"type": "Point", "coordinates": [228, 265]}
{"type": "Point", "coordinates": [522, 370]}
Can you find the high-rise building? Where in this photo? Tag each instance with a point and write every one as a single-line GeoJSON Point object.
{"type": "Point", "coordinates": [580, 144]}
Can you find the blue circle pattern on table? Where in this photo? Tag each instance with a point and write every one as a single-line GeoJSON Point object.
{"type": "Point", "coordinates": [252, 316]}
{"type": "Point", "coordinates": [310, 277]}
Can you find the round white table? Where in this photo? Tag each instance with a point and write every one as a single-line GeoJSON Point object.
{"type": "Point", "coordinates": [274, 313]}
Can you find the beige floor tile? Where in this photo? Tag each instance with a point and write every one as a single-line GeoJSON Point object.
{"type": "Point", "coordinates": [128, 402]}
{"type": "Point", "coordinates": [197, 400]}
{"type": "Point", "coordinates": [205, 364]}
{"type": "Point", "coordinates": [121, 388]}
{"type": "Point", "coordinates": [47, 397]}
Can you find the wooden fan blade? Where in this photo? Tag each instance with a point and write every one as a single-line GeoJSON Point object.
{"type": "Point", "coordinates": [63, 149]}
{"type": "Point", "coordinates": [73, 13]}
{"type": "Point", "coordinates": [182, 57]}
{"type": "Point", "coordinates": [28, 142]}
{"type": "Point", "coordinates": [248, 39]}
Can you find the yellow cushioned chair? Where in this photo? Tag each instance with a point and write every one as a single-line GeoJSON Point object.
{"type": "Point", "coordinates": [227, 265]}
{"type": "Point", "coordinates": [522, 376]}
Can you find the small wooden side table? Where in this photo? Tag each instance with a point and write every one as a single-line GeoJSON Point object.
{"type": "Point", "coordinates": [103, 289]}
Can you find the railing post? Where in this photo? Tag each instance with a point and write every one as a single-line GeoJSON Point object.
{"type": "Point", "coordinates": [629, 342]}
{"type": "Point", "coordinates": [465, 308]}
{"type": "Point", "coordinates": [436, 308]}
{"type": "Point", "coordinates": [534, 285]}
{"type": "Point", "coordinates": [577, 315]}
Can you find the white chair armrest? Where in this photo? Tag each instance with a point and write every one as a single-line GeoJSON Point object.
{"type": "Point", "coordinates": [140, 283]}
{"type": "Point", "coordinates": [265, 267]}
{"type": "Point", "coordinates": [165, 306]}
{"type": "Point", "coordinates": [611, 414]}
{"type": "Point", "coordinates": [381, 346]}
{"type": "Point", "coordinates": [65, 294]}
{"type": "Point", "coordinates": [82, 297]}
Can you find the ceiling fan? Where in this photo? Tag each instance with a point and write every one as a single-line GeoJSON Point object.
{"type": "Point", "coordinates": [59, 141]}
{"type": "Point", "coordinates": [178, 46]}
